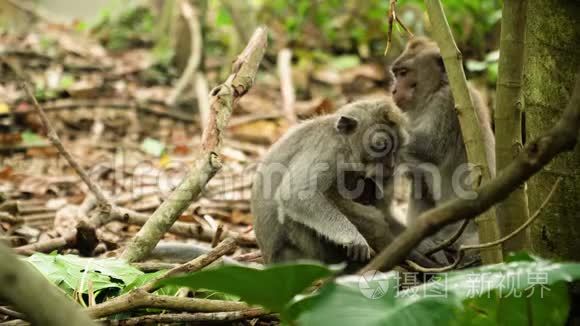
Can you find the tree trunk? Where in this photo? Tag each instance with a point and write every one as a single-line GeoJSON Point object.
{"type": "Point", "coordinates": [512, 212]}
{"type": "Point", "coordinates": [552, 60]}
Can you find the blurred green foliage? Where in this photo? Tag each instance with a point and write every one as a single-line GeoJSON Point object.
{"type": "Point", "coordinates": [322, 29]}
{"type": "Point", "coordinates": [347, 25]}
{"type": "Point", "coordinates": [130, 28]}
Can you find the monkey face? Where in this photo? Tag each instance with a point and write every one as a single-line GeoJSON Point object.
{"type": "Point", "coordinates": [374, 130]}
{"type": "Point", "coordinates": [419, 71]}
{"type": "Point", "coordinates": [405, 85]}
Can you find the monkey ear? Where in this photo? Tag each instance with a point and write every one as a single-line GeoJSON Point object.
{"type": "Point", "coordinates": [346, 125]}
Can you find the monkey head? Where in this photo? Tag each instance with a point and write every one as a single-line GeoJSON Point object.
{"type": "Point", "coordinates": [374, 130]}
{"type": "Point", "coordinates": [419, 72]}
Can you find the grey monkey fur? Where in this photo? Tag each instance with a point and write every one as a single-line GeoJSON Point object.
{"type": "Point", "coordinates": [423, 92]}
{"type": "Point", "coordinates": [299, 202]}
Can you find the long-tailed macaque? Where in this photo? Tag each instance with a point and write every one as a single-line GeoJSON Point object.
{"type": "Point", "coordinates": [436, 153]}
{"type": "Point", "coordinates": [305, 194]}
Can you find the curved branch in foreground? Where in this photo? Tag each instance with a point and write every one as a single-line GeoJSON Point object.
{"type": "Point", "coordinates": [32, 294]}
{"type": "Point", "coordinates": [449, 241]}
{"type": "Point", "coordinates": [207, 164]}
{"type": "Point", "coordinates": [562, 137]}
{"type": "Point", "coordinates": [464, 248]}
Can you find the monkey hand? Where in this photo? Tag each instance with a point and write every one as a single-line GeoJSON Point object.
{"type": "Point", "coordinates": [359, 250]}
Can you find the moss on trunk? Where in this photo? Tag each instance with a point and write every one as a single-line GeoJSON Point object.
{"type": "Point", "coordinates": [552, 60]}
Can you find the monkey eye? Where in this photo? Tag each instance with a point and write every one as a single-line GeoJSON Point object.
{"type": "Point", "coordinates": [402, 72]}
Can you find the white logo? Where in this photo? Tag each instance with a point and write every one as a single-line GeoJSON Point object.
{"type": "Point", "coordinates": [374, 284]}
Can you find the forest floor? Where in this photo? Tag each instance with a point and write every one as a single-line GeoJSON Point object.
{"type": "Point", "coordinates": [110, 110]}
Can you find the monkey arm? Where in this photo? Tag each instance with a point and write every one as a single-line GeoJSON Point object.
{"type": "Point", "coordinates": [421, 148]}
{"type": "Point", "coordinates": [377, 229]}
{"type": "Point", "coordinates": [302, 197]}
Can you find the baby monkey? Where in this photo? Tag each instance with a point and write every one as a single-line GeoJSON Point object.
{"type": "Point", "coordinates": [305, 196]}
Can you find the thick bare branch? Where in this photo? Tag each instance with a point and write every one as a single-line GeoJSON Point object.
{"type": "Point", "coordinates": [223, 97]}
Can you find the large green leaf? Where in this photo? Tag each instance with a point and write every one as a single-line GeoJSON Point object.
{"type": "Point", "coordinates": [272, 287]}
{"type": "Point", "coordinates": [526, 290]}
{"type": "Point", "coordinates": [507, 277]}
{"type": "Point", "coordinates": [352, 302]}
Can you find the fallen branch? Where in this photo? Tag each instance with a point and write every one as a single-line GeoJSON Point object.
{"type": "Point", "coordinates": [31, 294]}
{"type": "Point", "coordinates": [196, 264]}
{"type": "Point", "coordinates": [286, 85]}
{"type": "Point", "coordinates": [47, 246]}
{"type": "Point", "coordinates": [244, 70]}
{"type": "Point", "coordinates": [146, 107]}
{"type": "Point", "coordinates": [141, 297]}
{"type": "Point", "coordinates": [184, 229]}
{"type": "Point", "coordinates": [212, 317]}
{"type": "Point", "coordinates": [536, 154]}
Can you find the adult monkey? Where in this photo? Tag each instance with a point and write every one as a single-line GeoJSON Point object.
{"type": "Point", "coordinates": [303, 199]}
{"type": "Point", "coordinates": [436, 153]}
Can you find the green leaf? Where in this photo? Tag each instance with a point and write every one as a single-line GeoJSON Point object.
{"type": "Point", "coordinates": [272, 287]}
{"type": "Point", "coordinates": [73, 273]}
{"type": "Point", "coordinates": [30, 138]}
{"type": "Point", "coordinates": [66, 81]}
{"type": "Point", "coordinates": [153, 147]}
{"type": "Point", "coordinates": [223, 18]}
{"type": "Point", "coordinates": [145, 278]}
